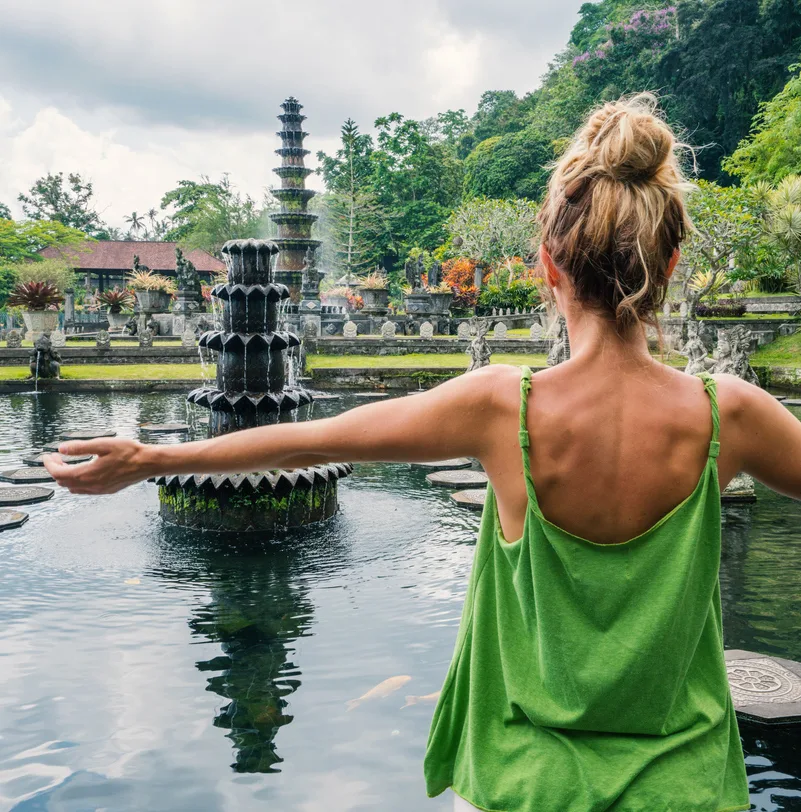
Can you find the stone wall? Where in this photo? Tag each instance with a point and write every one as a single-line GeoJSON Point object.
{"type": "Point", "coordinates": [115, 355]}
{"type": "Point", "coordinates": [404, 345]}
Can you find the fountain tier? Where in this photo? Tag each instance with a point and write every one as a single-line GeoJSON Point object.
{"type": "Point", "coordinates": [251, 390]}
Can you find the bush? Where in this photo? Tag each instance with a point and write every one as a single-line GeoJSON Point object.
{"type": "Point", "coordinates": [722, 309]}
{"type": "Point", "coordinates": [522, 293]}
{"type": "Point", "coordinates": [53, 272]}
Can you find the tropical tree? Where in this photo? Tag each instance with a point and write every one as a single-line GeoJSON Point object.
{"type": "Point", "coordinates": [66, 201]}
{"type": "Point", "coordinates": [136, 222]}
{"type": "Point", "coordinates": [5, 212]}
{"type": "Point", "coordinates": [21, 241]}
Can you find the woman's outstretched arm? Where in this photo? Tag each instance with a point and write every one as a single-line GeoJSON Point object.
{"type": "Point", "coordinates": [450, 420]}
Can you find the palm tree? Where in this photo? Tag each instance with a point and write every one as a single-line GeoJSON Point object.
{"type": "Point", "coordinates": [136, 223]}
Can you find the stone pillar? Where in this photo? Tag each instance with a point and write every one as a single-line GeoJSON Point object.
{"type": "Point", "coordinates": [69, 306]}
{"type": "Point", "coordinates": [478, 276]}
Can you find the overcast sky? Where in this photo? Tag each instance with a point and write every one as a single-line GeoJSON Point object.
{"type": "Point", "coordinates": [138, 95]}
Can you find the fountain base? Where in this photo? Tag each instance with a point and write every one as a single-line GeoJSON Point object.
{"type": "Point", "coordinates": [252, 503]}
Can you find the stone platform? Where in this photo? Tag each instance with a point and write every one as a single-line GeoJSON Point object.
{"type": "Point", "coordinates": [765, 689]}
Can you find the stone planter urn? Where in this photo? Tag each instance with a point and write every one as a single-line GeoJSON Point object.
{"type": "Point", "coordinates": [38, 322]}
{"type": "Point", "coordinates": [374, 298]}
{"type": "Point", "coordinates": [117, 321]}
{"type": "Point", "coordinates": [419, 303]}
{"type": "Point", "coordinates": [336, 301]}
{"type": "Point", "coordinates": [153, 301]}
{"type": "Point", "coordinates": [441, 301]}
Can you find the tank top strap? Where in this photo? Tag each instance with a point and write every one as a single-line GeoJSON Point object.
{"type": "Point", "coordinates": [710, 386]}
{"type": "Point", "coordinates": [523, 435]}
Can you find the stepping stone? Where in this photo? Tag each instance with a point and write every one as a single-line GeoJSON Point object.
{"type": "Point", "coordinates": [10, 519]}
{"type": "Point", "coordinates": [370, 395]}
{"type": "Point", "coordinates": [22, 495]}
{"type": "Point", "coordinates": [780, 397]}
{"type": "Point", "coordinates": [164, 428]}
{"type": "Point", "coordinates": [472, 498]}
{"type": "Point", "coordinates": [441, 465]}
{"type": "Point", "coordinates": [457, 478]}
{"type": "Point", "coordinates": [764, 689]}
{"type": "Point", "coordinates": [38, 459]}
{"type": "Point", "coordinates": [26, 476]}
{"type": "Point", "coordinates": [87, 435]}
{"type": "Point", "coordinates": [326, 396]}
{"type": "Point", "coordinates": [791, 402]}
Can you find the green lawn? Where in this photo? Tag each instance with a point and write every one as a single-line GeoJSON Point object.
{"type": "Point", "coordinates": [785, 351]}
{"type": "Point", "coordinates": [419, 360]}
{"type": "Point", "coordinates": [118, 372]}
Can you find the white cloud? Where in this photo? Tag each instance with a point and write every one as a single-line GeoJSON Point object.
{"type": "Point", "coordinates": [138, 94]}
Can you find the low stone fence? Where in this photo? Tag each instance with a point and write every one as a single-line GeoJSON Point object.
{"type": "Point", "coordinates": [389, 378]}
{"type": "Point", "coordinates": [114, 355]}
{"type": "Point", "coordinates": [771, 304]}
{"type": "Point", "coordinates": [440, 345]}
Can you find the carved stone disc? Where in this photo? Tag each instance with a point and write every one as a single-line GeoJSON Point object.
{"type": "Point", "coordinates": [38, 459]}
{"type": "Point", "coordinates": [760, 680]}
{"type": "Point", "coordinates": [472, 498]}
{"type": "Point", "coordinates": [22, 495]}
{"type": "Point", "coordinates": [441, 465]}
{"type": "Point", "coordinates": [87, 435]}
{"type": "Point", "coordinates": [10, 519]}
{"type": "Point", "coordinates": [26, 476]}
{"type": "Point", "coordinates": [457, 478]}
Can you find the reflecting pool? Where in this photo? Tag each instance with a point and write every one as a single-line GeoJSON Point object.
{"type": "Point", "coordinates": [148, 668]}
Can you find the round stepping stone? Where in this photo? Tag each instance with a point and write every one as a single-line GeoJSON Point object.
{"type": "Point", "coordinates": [164, 428]}
{"type": "Point", "coordinates": [764, 689]}
{"type": "Point", "coordinates": [87, 435]}
{"type": "Point", "coordinates": [442, 465]}
{"type": "Point", "coordinates": [38, 459]}
{"type": "Point", "coordinates": [472, 498]}
{"type": "Point", "coordinates": [21, 495]}
{"type": "Point", "coordinates": [26, 476]}
{"type": "Point", "coordinates": [457, 478]}
{"type": "Point", "coordinates": [370, 395]}
{"type": "Point", "coordinates": [10, 519]}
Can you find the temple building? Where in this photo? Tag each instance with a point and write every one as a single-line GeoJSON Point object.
{"type": "Point", "coordinates": [105, 263]}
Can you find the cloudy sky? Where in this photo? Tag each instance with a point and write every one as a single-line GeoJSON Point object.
{"type": "Point", "coordinates": [137, 95]}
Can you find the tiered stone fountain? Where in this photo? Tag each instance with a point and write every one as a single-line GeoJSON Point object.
{"type": "Point", "coordinates": [251, 390]}
{"type": "Point", "coordinates": [293, 221]}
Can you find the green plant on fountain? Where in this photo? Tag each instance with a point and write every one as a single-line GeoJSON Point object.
{"type": "Point", "coordinates": [251, 390]}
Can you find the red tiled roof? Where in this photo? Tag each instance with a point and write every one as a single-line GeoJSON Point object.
{"type": "Point", "coordinates": [117, 255]}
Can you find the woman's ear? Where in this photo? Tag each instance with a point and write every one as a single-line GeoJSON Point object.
{"type": "Point", "coordinates": [551, 271]}
{"type": "Point", "coordinates": [674, 261]}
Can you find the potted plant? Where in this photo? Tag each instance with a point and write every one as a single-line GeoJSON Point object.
{"type": "Point", "coordinates": [374, 290]}
{"type": "Point", "coordinates": [39, 302]}
{"type": "Point", "coordinates": [153, 291]}
{"type": "Point", "coordinates": [442, 296]}
{"type": "Point", "coordinates": [336, 297]}
{"type": "Point", "coordinates": [116, 301]}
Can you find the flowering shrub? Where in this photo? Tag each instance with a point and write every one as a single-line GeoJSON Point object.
{"type": "Point", "coordinates": [355, 302]}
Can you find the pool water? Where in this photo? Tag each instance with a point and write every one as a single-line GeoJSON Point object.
{"type": "Point", "coordinates": [146, 667]}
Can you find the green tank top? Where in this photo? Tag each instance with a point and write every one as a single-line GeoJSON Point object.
{"type": "Point", "coordinates": [590, 677]}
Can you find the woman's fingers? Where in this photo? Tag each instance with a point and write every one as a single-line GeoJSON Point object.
{"type": "Point", "coordinates": [113, 467]}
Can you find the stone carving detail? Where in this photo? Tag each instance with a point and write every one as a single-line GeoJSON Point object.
{"type": "Point", "coordinates": [311, 327]}
{"type": "Point", "coordinates": [58, 339]}
{"type": "Point", "coordinates": [13, 340]}
{"type": "Point", "coordinates": [695, 350]}
{"type": "Point", "coordinates": [536, 331]}
{"type": "Point", "coordinates": [189, 296]}
{"type": "Point", "coordinates": [761, 680]}
{"type": "Point", "coordinates": [560, 351]}
{"type": "Point", "coordinates": [188, 338]}
{"type": "Point", "coordinates": [500, 330]}
{"type": "Point", "coordinates": [684, 309]}
{"type": "Point", "coordinates": [310, 285]}
{"type": "Point", "coordinates": [434, 274]}
{"type": "Point", "coordinates": [103, 340]}
{"type": "Point", "coordinates": [45, 360]}
{"type": "Point", "coordinates": [463, 331]}
{"type": "Point", "coordinates": [427, 330]}
{"type": "Point", "coordinates": [331, 329]}
{"type": "Point", "coordinates": [731, 355]}
{"type": "Point", "coordinates": [479, 350]}
{"type": "Point", "coordinates": [350, 329]}
{"type": "Point", "coordinates": [145, 340]}
{"type": "Point", "coordinates": [414, 271]}
{"type": "Point", "coordinates": [388, 329]}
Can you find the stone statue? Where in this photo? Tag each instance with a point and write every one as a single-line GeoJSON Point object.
{"type": "Point", "coordinates": [58, 338]}
{"type": "Point", "coordinates": [697, 356]}
{"type": "Point", "coordinates": [463, 331]}
{"type": "Point", "coordinates": [310, 285]}
{"type": "Point", "coordinates": [45, 359]}
{"type": "Point", "coordinates": [189, 297]}
{"type": "Point", "coordinates": [434, 274]}
{"type": "Point", "coordinates": [349, 329]}
{"type": "Point", "coordinates": [500, 331]}
{"type": "Point", "coordinates": [723, 361]}
{"type": "Point", "coordinates": [188, 338]}
{"type": "Point", "coordinates": [479, 350]}
{"type": "Point", "coordinates": [560, 350]}
{"type": "Point", "coordinates": [388, 329]}
{"type": "Point", "coordinates": [138, 266]}
{"type": "Point", "coordinates": [427, 330]}
{"type": "Point", "coordinates": [145, 339]}
{"type": "Point", "coordinates": [103, 340]}
{"type": "Point", "coordinates": [740, 347]}
{"type": "Point", "coordinates": [13, 340]}
{"type": "Point", "coordinates": [413, 271]}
